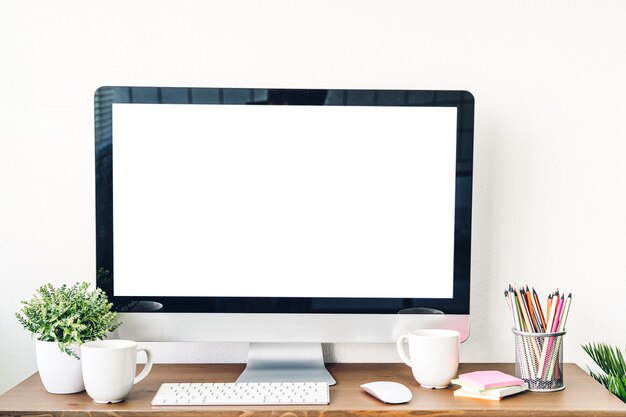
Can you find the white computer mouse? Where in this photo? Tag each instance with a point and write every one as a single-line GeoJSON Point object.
{"type": "Point", "coordinates": [388, 392]}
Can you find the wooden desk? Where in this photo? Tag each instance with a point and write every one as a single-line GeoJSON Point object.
{"type": "Point", "coordinates": [582, 397]}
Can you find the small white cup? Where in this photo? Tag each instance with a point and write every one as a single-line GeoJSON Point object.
{"type": "Point", "coordinates": [433, 356]}
{"type": "Point", "coordinates": [109, 368]}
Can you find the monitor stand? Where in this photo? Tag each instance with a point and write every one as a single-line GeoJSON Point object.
{"type": "Point", "coordinates": [286, 362]}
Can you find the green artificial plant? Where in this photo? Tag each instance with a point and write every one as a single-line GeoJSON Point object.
{"type": "Point", "coordinates": [68, 315]}
{"type": "Point", "coordinates": [612, 363]}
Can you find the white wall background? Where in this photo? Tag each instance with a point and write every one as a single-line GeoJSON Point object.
{"type": "Point", "coordinates": [550, 181]}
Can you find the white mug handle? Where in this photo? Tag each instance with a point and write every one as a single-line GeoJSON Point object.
{"type": "Point", "coordinates": [402, 351]}
{"type": "Point", "coordinates": [147, 367]}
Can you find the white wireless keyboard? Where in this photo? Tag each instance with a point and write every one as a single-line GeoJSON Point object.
{"type": "Point", "coordinates": [247, 393]}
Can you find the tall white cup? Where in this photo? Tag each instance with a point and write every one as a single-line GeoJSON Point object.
{"type": "Point", "coordinates": [109, 368]}
{"type": "Point", "coordinates": [433, 355]}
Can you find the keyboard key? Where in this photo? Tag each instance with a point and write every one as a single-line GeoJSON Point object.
{"type": "Point", "coordinates": [252, 393]}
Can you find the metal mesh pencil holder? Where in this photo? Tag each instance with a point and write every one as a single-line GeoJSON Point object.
{"type": "Point", "coordinates": [539, 360]}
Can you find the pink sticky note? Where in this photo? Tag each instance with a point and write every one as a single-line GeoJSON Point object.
{"type": "Point", "coordinates": [490, 379]}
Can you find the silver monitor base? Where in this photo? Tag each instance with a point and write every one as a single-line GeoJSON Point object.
{"type": "Point", "coordinates": [286, 362]}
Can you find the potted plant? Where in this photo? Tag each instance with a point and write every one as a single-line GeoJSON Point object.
{"type": "Point", "coordinates": [612, 363]}
{"type": "Point", "coordinates": [61, 319]}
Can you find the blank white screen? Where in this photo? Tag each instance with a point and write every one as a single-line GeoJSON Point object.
{"type": "Point", "coordinates": [283, 201]}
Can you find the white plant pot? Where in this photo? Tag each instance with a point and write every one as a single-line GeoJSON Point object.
{"type": "Point", "coordinates": [59, 372]}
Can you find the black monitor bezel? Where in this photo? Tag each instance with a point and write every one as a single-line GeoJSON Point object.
{"type": "Point", "coordinates": [105, 97]}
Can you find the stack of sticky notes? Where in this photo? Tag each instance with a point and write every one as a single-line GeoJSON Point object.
{"type": "Point", "coordinates": [488, 385]}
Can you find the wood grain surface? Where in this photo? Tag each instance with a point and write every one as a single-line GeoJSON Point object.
{"type": "Point", "coordinates": [581, 397]}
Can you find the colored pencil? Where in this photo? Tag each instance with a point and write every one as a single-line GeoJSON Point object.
{"type": "Point", "coordinates": [552, 366]}
{"type": "Point", "coordinates": [529, 316]}
{"type": "Point", "coordinates": [531, 311]}
{"type": "Point", "coordinates": [557, 316]}
{"type": "Point", "coordinates": [565, 313]}
{"type": "Point", "coordinates": [538, 304]}
{"type": "Point", "coordinates": [528, 368]}
{"type": "Point", "coordinates": [552, 310]}
{"type": "Point", "coordinates": [523, 310]}
{"type": "Point", "coordinates": [548, 307]}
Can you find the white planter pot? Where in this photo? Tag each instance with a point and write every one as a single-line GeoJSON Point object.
{"type": "Point", "coordinates": [59, 372]}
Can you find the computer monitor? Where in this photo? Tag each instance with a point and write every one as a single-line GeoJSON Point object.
{"type": "Point", "coordinates": [284, 217]}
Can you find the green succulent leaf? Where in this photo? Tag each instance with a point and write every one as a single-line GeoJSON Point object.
{"type": "Point", "coordinates": [611, 361]}
{"type": "Point", "coordinates": [68, 315]}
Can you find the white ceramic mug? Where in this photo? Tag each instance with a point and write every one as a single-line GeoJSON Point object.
{"type": "Point", "coordinates": [433, 356]}
{"type": "Point", "coordinates": [109, 368]}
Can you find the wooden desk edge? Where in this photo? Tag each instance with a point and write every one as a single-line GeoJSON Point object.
{"type": "Point", "coordinates": [347, 400]}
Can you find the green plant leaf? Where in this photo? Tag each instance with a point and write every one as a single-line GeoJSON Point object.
{"type": "Point", "coordinates": [611, 361]}
{"type": "Point", "coordinates": [68, 315]}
